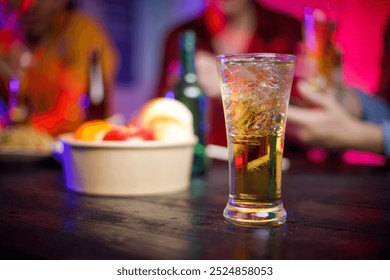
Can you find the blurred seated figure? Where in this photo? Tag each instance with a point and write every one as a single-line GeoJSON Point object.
{"type": "Point", "coordinates": [46, 60]}
{"type": "Point", "coordinates": [227, 26]}
{"type": "Point", "coordinates": [345, 118]}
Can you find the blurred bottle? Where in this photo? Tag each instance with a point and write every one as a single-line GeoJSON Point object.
{"type": "Point", "coordinates": [322, 53]}
{"type": "Point", "coordinates": [188, 91]}
{"type": "Point", "coordinates": [97, 94]}
{"type": "Point", "coordinates": [331, 62]}
{"type": "Point", "coordinates": [324, 61]}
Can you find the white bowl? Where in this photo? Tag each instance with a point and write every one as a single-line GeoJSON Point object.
{"type": "Point", "coordinates": [126, 168]}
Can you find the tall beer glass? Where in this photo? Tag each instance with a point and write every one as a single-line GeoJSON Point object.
{"type": "Point", "coordinates": [255, 92]}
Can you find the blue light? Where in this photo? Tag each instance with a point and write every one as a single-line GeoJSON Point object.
{"type": "Point", "coordinates": [170, 95]}
{"type": "Point", "coordinates": [310, 31]}
{"type": "Point", "coordinates": [14, 85]}
{"type": "Point", "coordinates": [3, 107]}
{"type": "Point", "coordinates": [84, 101]}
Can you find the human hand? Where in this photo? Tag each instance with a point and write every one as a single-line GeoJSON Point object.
{"type": "Point", "coordinates": [328, 124]}
{"type": "Point", "coordinates": [206, 69]}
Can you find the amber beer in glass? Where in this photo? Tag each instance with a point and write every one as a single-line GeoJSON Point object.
{"type": "Point", "coordinates": [255, 92]}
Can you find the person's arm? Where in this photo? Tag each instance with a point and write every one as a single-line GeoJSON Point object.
{"type": "Point", "coordinates": [206, 69]}
{"type": "Point", "coordinates": [365, 136]}
{"type": "Point", "coordinates": [376, 111]}
{"type": "Point", "coordinates": [386, 137]}
{"type": "Point", "coordinates": [373, 109]}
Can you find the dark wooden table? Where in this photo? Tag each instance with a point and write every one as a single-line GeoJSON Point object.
{"type": "Point", "coordinates": [335, 211]}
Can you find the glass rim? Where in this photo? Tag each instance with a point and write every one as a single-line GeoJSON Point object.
{"type": "Point", "coordinates": [238, 56]}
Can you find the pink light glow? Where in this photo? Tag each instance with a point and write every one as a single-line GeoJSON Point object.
{"type": "Point", "coordinates": [363, 158]}
{"type": "Point", "coordinates": [317, 155]}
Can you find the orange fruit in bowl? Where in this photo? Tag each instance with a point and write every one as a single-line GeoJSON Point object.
{"type": "Point", "coordinates": [92, 130]}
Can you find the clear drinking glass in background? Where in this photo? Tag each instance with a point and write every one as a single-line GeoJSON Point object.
{"type": "Point", "coordinates": [255, 92]}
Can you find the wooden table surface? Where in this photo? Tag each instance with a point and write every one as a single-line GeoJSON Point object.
{"type": "Point", "coordinates": [334, 212]}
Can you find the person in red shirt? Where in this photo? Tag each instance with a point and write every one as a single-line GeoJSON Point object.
{"type": "Point", "coordinates": [227, 26]}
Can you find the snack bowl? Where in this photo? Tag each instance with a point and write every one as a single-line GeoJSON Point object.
{"type": "Point", "coordinates": [125, 168]}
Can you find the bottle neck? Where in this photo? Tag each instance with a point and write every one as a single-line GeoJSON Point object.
{"type": "Point", "coordinates": [96, 83]}
{"type": "Point", "coordinates": [187, 47]}
{"type": "Point", "coordinates": [96, 108]}
{"type": "Point", "coordinates": [187, 62]}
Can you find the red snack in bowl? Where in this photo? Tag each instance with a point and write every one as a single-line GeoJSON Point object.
{"type": "Point", "coordinates": [116, 135]}
{"type": "Point", "coordinates": [145, 134]}
{"type": "Point", "coordinates": [137, 130]}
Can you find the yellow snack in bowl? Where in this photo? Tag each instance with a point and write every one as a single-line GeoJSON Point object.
{"type": "Point", "coordinates": [92, 130]}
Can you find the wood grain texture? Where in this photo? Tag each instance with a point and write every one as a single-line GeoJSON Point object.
{"type": "Point", "coordinates": [334, 212]}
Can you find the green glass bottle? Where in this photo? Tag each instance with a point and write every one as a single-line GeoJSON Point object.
{"type": "Point", "coordinates": [188, 91]}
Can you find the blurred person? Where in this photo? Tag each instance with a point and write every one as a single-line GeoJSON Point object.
{"type": "Point", "coordinates": [49, 54]}
{"type": "Point", "coordinates": [227, 26]}
{"type": "Point", "coordinates": [345, 118]}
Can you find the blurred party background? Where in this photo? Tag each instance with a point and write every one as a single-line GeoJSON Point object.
{"type": "Point", "coordinates": [137, 38]}
{"type": "Point", "coordinates": [139, 28]}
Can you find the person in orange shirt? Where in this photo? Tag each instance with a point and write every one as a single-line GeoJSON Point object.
{"type": "Point", "coordinates": [55, 43]}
